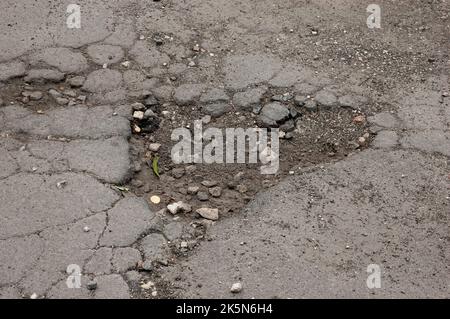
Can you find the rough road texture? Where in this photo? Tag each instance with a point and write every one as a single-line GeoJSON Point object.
{"type": "Point", "coordinates": [376, 101]}
{"type": "Point", "coordinates": [314, 235]}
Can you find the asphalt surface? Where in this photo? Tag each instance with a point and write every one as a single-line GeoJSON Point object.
{"type": "Point", "coordinates": [311, 236]}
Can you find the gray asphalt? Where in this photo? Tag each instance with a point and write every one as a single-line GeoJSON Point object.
{"type": "Point", "coordinates": [311, 236]}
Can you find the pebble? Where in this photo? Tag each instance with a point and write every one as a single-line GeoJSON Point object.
{"type": "Point", "coordinates": [177, 172]}
{"type": "Point", "coordinates": [359, 119]}
{"type": "Point", "coordinates": [62, 100]}
{"type": "Point", "coordinates": [288, 126]}
{"type": "Point", "coordinates": [179, 207]}
{"type": "Point", "coordinates": [236, 287]}
{"type": "Point", "coordinates": [154, 147]}
{"type": "Point", "coordinates": [34, 296]}
{"type": "Point", "coordinates": [241, 188]}
{"type": "Point", "coordinates": [70, 93]}
{"type": "Point", "coordinates": [35, 96]}
{"type": "Point", "coordinates": [92, 285]}
{"type": "Point", "coordinates": [207, 183]}
{"type": "Point", "coordinates": [126, 64]}
{"type": "Point", "coordinates": [61, 184]}
{"type": "Point", "coordinates": [138, 115]}
{"type": "Point", "coordinates": [215, 191]}
{"type": "Point", "coordinates": [149, 114]}
{"type": "Point", "coordinates": [206, 119]}
{"type": "Point", "coordinates": [288, 135]}
{"type": "Point", "coordinates": [165, 113]}
{"type": "Point", "coordinates": [136, 129]}
{"type": "Point", "coordinates": [148, 285]}
{"type": "Point", "coordinates": [202, 196]}
{"type": "Point", "coordinates": [184, 244]}
{"type": "Point", "coordinates": [192, 190]}
{"type": "Point", "coordinates": [208, 213]}
{"type": "Point", "coordinates": [361, 140]}
{"type": "Point", "coordinates": [86, 229]}
{"type": "Point", "coordinates": [282, 97]}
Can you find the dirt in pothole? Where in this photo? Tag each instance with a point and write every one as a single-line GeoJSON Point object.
{"type": "Point", "coordinates": [320, 137]}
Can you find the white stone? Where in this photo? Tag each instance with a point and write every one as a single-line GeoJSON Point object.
{"type": "Point", "coordinates": [236, 287]}
{"type": "Point", "coordinates": [138, 115]}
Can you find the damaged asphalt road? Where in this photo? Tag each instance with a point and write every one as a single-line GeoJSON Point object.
{"type": "Point", "coordinates": [363, 181]}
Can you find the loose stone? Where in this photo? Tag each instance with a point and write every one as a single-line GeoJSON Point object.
{"type": "Point", "coordinates": [192, 190]}
{"type": "Point", "coordinates": [177, 172]}
{"type": "Point", "coordinates": [215, 191]}
{"type": "Point", "coordinates": [179, 207]}
{"type": "Point", "coordinates": [208, 183]}
{"type": "Point", "coordinates": [91, 285]}
{"type": "Point", "coordinates": [138, 115]}
{"type": "Point", "coordinates": [236, 287]}
{"type": "Point", "coordinates": [208, 213]}
{"type": "Point", "coordinates": [154, 147]}
{"type": "Point", "coordinates": [202, 196]}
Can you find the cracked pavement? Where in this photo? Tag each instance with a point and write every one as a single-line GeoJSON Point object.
{"type": "Point", "coordinates": [68, 149]}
